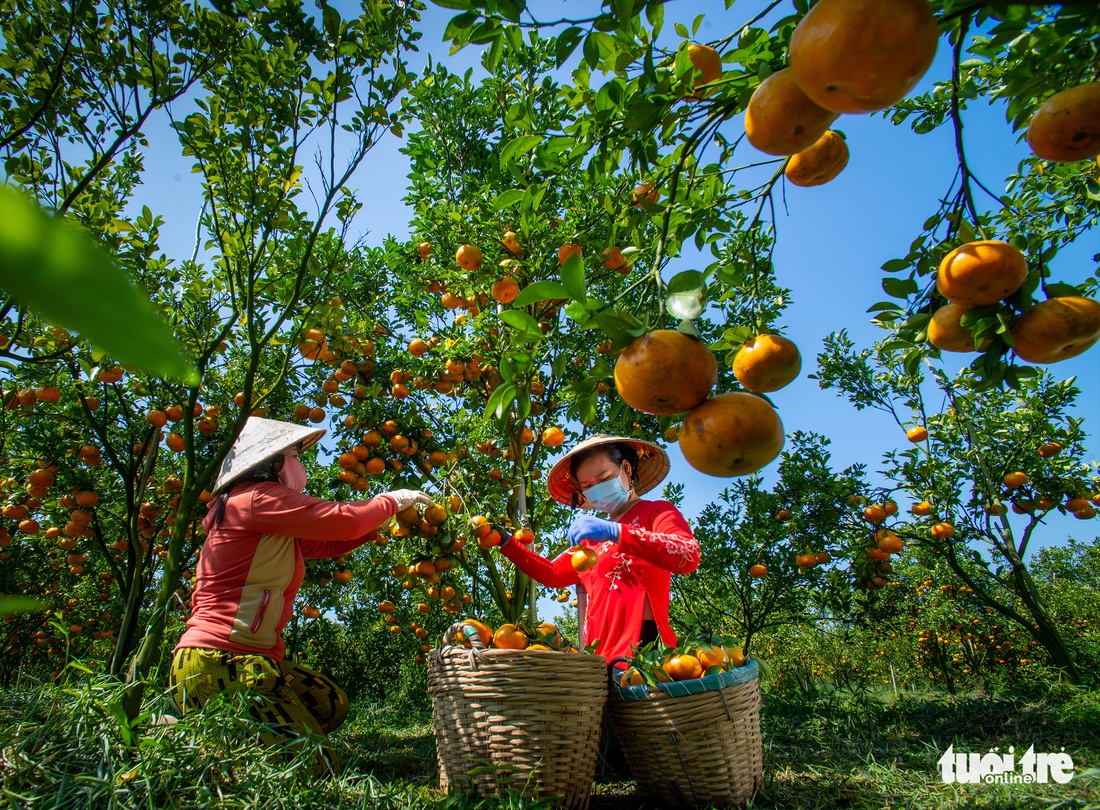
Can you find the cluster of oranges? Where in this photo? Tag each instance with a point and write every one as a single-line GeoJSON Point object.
{"type": "Point", "coordinates": [846, 56]}
{"type": "Point", "coordinates": [686, 662]}
{"type": "Point", "coordinates": [667, 372]}
{"type": "Point", "coordinates": [543, 637]}
{"type": "Point", "coordinates": [985, 273]}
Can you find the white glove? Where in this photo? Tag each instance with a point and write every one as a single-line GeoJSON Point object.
{"type": "Point", "coordinates": [409, 497]}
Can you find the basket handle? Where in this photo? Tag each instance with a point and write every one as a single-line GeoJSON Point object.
{"type": "Point", "coordinates": [465, 631]}
{"type": "Point", "coordinates": [621, 659]}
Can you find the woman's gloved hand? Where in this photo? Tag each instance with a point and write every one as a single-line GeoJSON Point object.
{"type": "Point", "coordinates": [410, 497]}
{"type": "Point", "coordinates": [598, 530]}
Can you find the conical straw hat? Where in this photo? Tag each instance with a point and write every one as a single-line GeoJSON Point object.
{"type": "Point", "coordinates": [653, 466]}
{"type": "Point", "coordinates": [260, 440]}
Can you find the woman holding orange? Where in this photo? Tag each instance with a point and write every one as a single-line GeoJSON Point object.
{"type": "Point", "coordinates": [624, 596]}
{"type": "Point", "coordinates": [260, 529]}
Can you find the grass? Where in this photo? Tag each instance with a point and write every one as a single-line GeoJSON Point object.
{"type": "Point", "coordinates": [69, 749]}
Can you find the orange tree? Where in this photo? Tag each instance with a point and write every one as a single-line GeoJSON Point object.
{"type": "Point", "coordinates": [664, 104]}
{"type": "Point", "coordinates": [521, 283]}
{"type": "Point", "coordinates": [132, 456]}
{"type": "Point", "coordinates": [772, 557]}
{"type": "Point", "coordinates": [983, 472]}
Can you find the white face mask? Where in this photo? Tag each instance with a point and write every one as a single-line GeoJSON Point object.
{"type": "Point", "coordinates": [293, 474]}
{"type": "Point", "coordinates": [608, 496]}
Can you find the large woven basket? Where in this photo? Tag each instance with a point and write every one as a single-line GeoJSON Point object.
{"type": "Point", "coordinates": [516, 720]}
{"type": "Point", "coordinates": [693, 743]}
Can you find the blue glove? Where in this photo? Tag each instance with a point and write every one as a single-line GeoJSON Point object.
{"type": "Point", "coordinates": [504, 536]}
{"type": "Point", "coordinates": [598, 530]}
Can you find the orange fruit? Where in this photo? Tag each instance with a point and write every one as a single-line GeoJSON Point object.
{"type": "Point", "coordinates": [417, 347]}
{"type": "Point", "coordinates": [665, 372]}
{"type": "Point", "coordinates": [550, 635]}
{"type": "Point", "coordinates": [156, 418]}
{"type": "Point", "coordinates": [424, 250]}
{"type": "Point", "coordinates": [612, 258]}
{"type": "Point", "coordinates": [468, 257]}
{"type": "Point", "coordinates": [820, 163]}
{"type": "Point", "coordinates": [948, 335]}
{"type": "Point", "coordinates": [683, 667]}
{"type": "Point", "coordinates": [631, 677]}
{"type": "Point", "coordinates": [823, 557]}
{"type": "Point", "coordinates": [1015, 479]}
{"type": "Point", "coordinates": [511, 244]}
{"type": "Point", "coordinates": [917, 434]}
{"type": "Point", "coordinates": [553, 436]}
{"type": "Point", "coordinates": [1057, 329]}
{"type": "Point", "coordinates": [942, 531]}
{"type": "Point", "coordinates": [731, 434]}
{"type": "Point", "coordinates": [783, 514]}
{"type": "Point", "coordinates": [1076, 504]}
{"type": "Point", "coordinates": [510, 637]}
{"type": "Point", "coordinates": [709, 63]}
{"type": "Point", "coordinates": [313, 344]}
{"type": "Point", "coordinates": [505, 290]}
{"type": "Point", "coordinates": [922, 508]}
{"type": "Point", "coordinates": [758, 571]}
{"type": "Point", "coordinates": [435, 515]}
{"type": "Point", "coordinates": [736, 657]}
{"type": "Point", "coordinates": [781, 120]}
{"type": "Point", "coordinates": [583, 559]}
{"type": "Point", "coordinates": [525, 536]}
{"type": "Point", "coordinates": [567, 250]}
{"type": "Point", "coordinates": [859, 56]}
{"type": "Point", "coordinates": [647, 192]}
{"type": "Point", "coordinates": [711, 657]}
{"type": "Point", "coordinates": [1067, 127]}
{"type": "Point", "coordinates": [981, 273]}
{"type": "Point", "coordinates": [1050, 449]}
{"type": "Point", "coordinates": [484, 631]}
{"type": "Point", "coordinates": [874, 514]}
{"type": "Point", "coordinates": [805, 560]}
{"type": "Point", "coordinates": [767, 363]}
{"type": "Point", "coordinates": [889, 542]}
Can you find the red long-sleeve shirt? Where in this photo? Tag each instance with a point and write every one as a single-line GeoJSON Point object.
{"type": "Point", "coordinates": [252, 562]}
{"type": "Point", "coordinates": [655, 542]}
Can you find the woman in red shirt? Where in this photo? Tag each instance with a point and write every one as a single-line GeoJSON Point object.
{"type": "Point", "coordinates": [259, 531]}
{"type": "Point", "coordinates": [624, 597]}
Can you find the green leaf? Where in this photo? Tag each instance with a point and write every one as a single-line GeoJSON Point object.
{"type": "Point", "coordinates": [518, 146]}
{"type": "Point", "coordinates": [899, 287]}
{"type": "Point", "coordinates": [540, 291]}
{"type": "Point", "coordinates": [508, 198]}
{"type": "Point", "coordinates": [499, 400]}
{"type": "Point", "coordinates": [60, 273]}
{"type": "Point", "coordinates": [526, 326]}
{"type": "Point", "coordinates": [592, 50]}
{"type": "Point", "coordinates": [681, 29]}
{"type": "Point", "coordinates": [686, 296]}
{"type": "Point", "coordinates": [331, 19]}
{"type": "Point", "coordinates": [572, 277]}
{"type": "Point", "coordinates": [10, 605]}
{"type": "Point", "coordinates": [558, 366]}
{"type": "Point", "coordinates": [894, 265]}
{"type": "Point", "coordinates": [567, 43]}
{"type": "Point", "coordinates": [643, 116]}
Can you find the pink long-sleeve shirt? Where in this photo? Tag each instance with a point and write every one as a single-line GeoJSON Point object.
{"type": "Point", "coordinates": [253, 562]}
{"type": "Point", "coordinates": [655, 542]}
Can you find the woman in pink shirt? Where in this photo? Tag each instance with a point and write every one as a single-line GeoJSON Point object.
{"type": "Point", "coordinates": [259, 531]}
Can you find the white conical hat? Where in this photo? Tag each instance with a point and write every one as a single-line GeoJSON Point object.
{"type": "Point", "coordinates": [260, 440]}
{"type": "Point", "coordinates": [653, 466]}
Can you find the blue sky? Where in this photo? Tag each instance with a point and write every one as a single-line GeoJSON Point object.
{"type": "Point", "coordinates": [832, 242]}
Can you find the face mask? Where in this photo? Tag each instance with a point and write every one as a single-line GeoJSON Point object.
{"type": "Point", "coordinates": [608, 496]}
{"type": "Point", "coordinates": [293, 474]}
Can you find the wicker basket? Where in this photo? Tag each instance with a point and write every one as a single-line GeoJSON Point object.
{"type": "Point", "coordinates": [512, 719]}
{"type": "Point", "coordinates": [693, 743]}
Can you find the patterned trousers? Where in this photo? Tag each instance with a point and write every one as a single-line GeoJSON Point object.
{"type": "Point", "coordinates": [290, 699]}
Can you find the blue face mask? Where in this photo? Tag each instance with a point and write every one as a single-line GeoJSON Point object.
{"type": "Point", "coordinates": [608, 496]}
